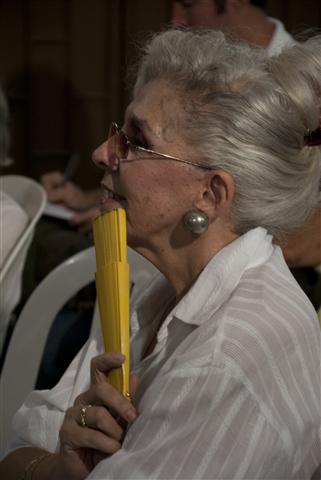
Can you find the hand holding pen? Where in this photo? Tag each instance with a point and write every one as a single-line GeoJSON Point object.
{"type": "Point", "coordinates": [63, 191]}
{"type": "Point", "coordinates": [70, 170]}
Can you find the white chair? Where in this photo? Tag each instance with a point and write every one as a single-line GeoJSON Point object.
{"type": "Point", "coordinates": [28, 340]}
{"type": "Point", "coordinates": [32, 198]}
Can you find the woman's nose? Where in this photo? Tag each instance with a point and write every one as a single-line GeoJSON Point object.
{"type": "Point", "coordinates": [102, 158]}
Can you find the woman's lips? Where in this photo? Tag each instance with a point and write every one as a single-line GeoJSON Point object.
{"type": "Point", "coordinates": [108, 202]}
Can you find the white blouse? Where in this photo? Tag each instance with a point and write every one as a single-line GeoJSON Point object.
{"type": "Point", "coordinates": [232, 388]}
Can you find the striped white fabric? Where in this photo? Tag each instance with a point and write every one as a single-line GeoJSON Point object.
{"type": "Point", "coordinates": [232, 389]}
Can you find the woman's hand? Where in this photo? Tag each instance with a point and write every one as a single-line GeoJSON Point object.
{"type": "Point", "coordinates": [90, 431]}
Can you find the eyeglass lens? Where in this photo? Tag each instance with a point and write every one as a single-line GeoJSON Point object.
{"type": "Point", "coordinates": [117, 145]}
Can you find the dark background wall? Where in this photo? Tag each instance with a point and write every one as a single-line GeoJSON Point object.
{"type": "Point", "coordinates": [63, 65]}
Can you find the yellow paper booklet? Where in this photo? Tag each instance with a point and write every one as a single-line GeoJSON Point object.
{"type": "Point", "coordinates": [113, 289]}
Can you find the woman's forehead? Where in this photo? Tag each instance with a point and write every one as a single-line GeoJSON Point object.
{"type": "Point", "coordinates": [157, 105]}
{"type": "Point", "coordinates": [156, 94]}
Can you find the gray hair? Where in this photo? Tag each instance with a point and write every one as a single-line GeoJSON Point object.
{"type": "Point", "coordinates": [247, 114]}
{"type": "Point", "coordinates": [4, 132]}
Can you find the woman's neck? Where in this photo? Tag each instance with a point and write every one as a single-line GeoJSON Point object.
{"type": "Point", "coordinates": [182, 266]}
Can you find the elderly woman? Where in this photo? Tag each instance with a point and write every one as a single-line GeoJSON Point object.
{"type": "Point", "coordinates": [219, 151]}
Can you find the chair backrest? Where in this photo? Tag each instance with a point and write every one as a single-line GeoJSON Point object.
{"type": "Point", "coordinates": [28, 340]}
{"type": "Point", "coordinates": [32, 198]}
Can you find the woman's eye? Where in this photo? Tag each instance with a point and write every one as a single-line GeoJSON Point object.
{"type": "Point", "coordinates": [138, 142]}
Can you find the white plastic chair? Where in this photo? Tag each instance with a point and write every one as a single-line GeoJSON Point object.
{"type": "Point", "coordinates": [32, 198]}
{"type": "Point", "coordinates": [28, 340]}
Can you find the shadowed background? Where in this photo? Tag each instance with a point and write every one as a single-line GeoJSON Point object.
{"type": "Point", "coordinates": [63, 65]}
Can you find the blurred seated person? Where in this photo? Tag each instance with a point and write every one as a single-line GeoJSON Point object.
{"type": "Point", "coordinates": [13, 221]}
{"type": "Point", "coordinates": [248, 20]}
{"type": "Point", "coordinates": [56, 240]}
{"type": "Point", "coordinates": [13, 218]}
{"type": "Point", "coordinates": [302, 251]}
{"type": "Point", "coordinates": [225, 345]}
{"type": "Point", "coordinates": [244, 19]}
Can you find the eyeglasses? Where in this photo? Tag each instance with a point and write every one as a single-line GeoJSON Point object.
{"type": "Point", "coordinates": [119, 145]}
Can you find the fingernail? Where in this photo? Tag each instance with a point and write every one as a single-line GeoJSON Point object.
{"type": "Point", "coordinates": [119, 357]}
{"type": "Point", "coordinates": [131, 415]}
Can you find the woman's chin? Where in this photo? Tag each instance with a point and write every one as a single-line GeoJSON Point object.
{"type": "Point", "coordinates": [109, 204]}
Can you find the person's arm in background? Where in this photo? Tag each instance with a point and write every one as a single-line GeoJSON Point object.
{"type": "Point", "coordinates": [68, 194]}
{"type": "Point", "coordinates": [302, 248]}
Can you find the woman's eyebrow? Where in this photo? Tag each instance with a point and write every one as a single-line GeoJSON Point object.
{"type": "Point", "coordinates": [139, 124]}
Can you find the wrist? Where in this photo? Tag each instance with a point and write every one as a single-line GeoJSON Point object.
{"type": "Point", "coordinates": [46, 468]}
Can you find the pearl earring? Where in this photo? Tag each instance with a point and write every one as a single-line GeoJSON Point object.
{"type": "Point", "coordinates": [196, 222]}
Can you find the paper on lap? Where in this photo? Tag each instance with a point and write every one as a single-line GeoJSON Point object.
{"type": "Point", "coordinates": [58, 211]}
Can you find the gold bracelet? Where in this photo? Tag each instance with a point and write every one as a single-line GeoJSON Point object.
{"type": "Point", "coordinates": [32, 465]}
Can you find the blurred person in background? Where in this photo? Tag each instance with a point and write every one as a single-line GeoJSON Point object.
{"type": "Point", "coordinates": [57, 239]}
{"type": "Point", "coordinates": [244, 19]}
{"type": "Point", "coordinates": [13, 218]}
{"type": "Point", "coordinates": [21, 203]}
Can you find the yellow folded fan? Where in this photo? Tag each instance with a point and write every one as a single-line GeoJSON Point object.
{"type": "Point", "coordinates": [113, 290]}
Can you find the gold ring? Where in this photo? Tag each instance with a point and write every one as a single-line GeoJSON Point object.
{"type": "Point", "coordinates": [83, 415]}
